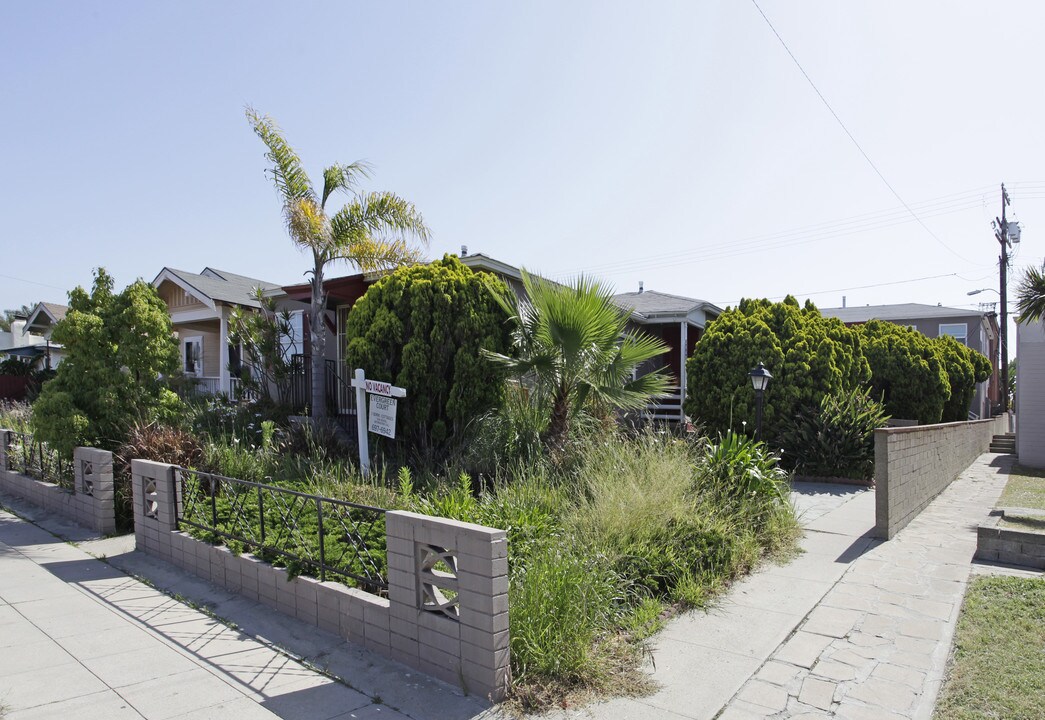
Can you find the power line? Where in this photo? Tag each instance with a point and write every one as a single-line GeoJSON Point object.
{"type": "Point", "coordinates": [857, 287]}
{"type": "Point", "coordinates": [33, 282]}
{"type": "Point", "coordinates": [855, 143]}
{"type": "Point", "coordinates": [865, 222]}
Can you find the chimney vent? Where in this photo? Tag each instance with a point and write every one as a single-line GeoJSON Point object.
{"type": "Point", "coordinates": [640, 286]}
{"type": "Point", "coordinates": [464, 250]}
{"type": "Point", "coordinates": [843, 301]}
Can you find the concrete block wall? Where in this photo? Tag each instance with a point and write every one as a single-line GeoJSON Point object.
{"type": "Point", "coordinates": [996, 543]}
{"type": "Point", "coordinates": [446, 613]}
{"type": "Point", "coordinates": [92, 501]}
{"type": "Point", "coordinates": [915, 464]}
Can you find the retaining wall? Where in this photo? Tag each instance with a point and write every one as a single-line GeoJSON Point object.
{"type": "Point", "coordinates": [460, 638]}
{"type": "Point", "coordinates": [1010, 545]}
{"type": "Point", "coordinates": [915, 464]}
{"type": "Point", "coordinates": [90, 503]}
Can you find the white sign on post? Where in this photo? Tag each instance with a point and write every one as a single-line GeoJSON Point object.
{"type": "Point", "coordinates": [382, 412]}
{"type": "Point", "coordinates": [383, 415]}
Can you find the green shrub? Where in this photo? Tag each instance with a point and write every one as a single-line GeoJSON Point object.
{"type": "Point", "coordinates": [809, 356]}
{"type": "Point", "coordinates": [964, 367]}
{"type": "Point", "coordinates": [744, 468]}
{"type": "Point", "coordinates": [907, 371]}
{"type": "Point", "coordinates": [424, 328]}
{"type": "Point", "coordinates": [836, 438]}
{"type": "Point", "coordinates": [117, 349]}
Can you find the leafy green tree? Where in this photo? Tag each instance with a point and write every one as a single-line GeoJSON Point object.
{"type": "Point", "coordinates": [907, 371]}
{"type": "Point", "coordinates": [373, 231]}
{"type": "Point", "coordinates": [809, 355]}
{"type": "Point", "coordinates": [570, 342]}
{"type": "Point", "coordinates": [965, 368]}
{"type": "Point", "coordinates": [425, 328]}
{"type": "Point", "coordinates": [1030, 296]}
{"type": "Point", "coordinates": [117, 350]}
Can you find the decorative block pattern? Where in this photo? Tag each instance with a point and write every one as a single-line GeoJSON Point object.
{"type": "Point", "coordinates": [913, 465]}
{"type": "Point", "coordinates": [91, 502]}
{"type": "Point", "coordinates": [446, 613]}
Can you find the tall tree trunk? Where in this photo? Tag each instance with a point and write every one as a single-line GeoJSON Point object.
{"type": "Point", "coordinates": [319, 341]}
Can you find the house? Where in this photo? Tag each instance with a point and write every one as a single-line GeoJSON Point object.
{"type": "Point", "coordinates": [199, 306]}
{"type": "Point", "coordinates": [679, 322]}
{"type": "Point", "coordinates": [41, 323]}
{"type": "Point", "coordinates": [977, 330]}
{"type": "Point", "coordinates": [30, 337]}
{"type": "Point", "coordinates": [1030, 394]}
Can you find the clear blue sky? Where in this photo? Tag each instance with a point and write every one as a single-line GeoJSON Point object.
{"type": "Point", "coordinates": [669, 142]}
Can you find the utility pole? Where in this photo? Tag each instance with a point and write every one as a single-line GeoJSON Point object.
{"type": "Point", "coordinates": [1001, 232]}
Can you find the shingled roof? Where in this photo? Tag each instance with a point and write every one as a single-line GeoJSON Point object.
{"type": "Point", "coordinates": [901, 311]}
{"type": "Point", "coordinates": [221, 285]}
{"type": "Point", "coordinates": [650, 303]}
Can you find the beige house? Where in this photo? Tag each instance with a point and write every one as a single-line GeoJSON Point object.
{"type": "Point", "coordinates": [199, 306]}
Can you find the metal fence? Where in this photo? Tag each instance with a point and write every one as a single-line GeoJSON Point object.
{"type": "Point", "coordinates": [333, 539]}
{"type": "Point", "coordinates": [32, 457]}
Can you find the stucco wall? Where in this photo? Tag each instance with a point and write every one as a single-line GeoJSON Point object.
{"type": "Point", "coordinates": [915, 464]}
{"type": "Point", "coordinates": [1030, 394]}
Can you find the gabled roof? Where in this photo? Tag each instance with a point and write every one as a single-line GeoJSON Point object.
{"type": "Point", "coordinates": [44, 316]}
{"type": "Point", "coordinates": [216, 286]}
{"type": "Point", "coordinates": [651, 304]}
{"type": "Point", "coordinates": [901, 311]}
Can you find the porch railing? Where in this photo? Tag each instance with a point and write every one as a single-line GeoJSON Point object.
{"type": "Point", "coordinates": [334, 539]}
{"type": "Point", "coordinates": [667, 408]}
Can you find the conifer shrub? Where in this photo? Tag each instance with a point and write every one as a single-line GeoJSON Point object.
{"type": "Point", "coordinates": [425, 328]}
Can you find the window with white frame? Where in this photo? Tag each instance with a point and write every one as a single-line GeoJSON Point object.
{"type": "Point", "coordinates": [958, 331]}
{"type": "Point", "coordinates": [192, 356]}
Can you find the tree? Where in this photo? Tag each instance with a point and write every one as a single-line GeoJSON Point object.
{"type": "Point", "coordinates": [1030, 296]}
{"type": "Point", "coordinates": [425, 328]}
{"type": "Point", "coordinates": [267, 337]}
{"type": "Point", "coordinates": [908, 372]}
{"type": "Point", "coordinates": [809, 355]}
{"type": "Point", "coordinates": [571, 343]}
{"type": "Point", "coordinates": [117, 350]}
{"type": "Point", "coordinates": [373, 231]}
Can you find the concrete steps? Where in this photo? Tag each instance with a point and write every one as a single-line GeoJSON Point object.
{"type": "Point", "coordinates": [1004, 443]}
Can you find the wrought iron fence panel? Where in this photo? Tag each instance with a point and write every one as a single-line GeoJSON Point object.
{"type": "Point", "coordinates": [334, 539]}
{"type": "Point", "coordinates": [29, 456]}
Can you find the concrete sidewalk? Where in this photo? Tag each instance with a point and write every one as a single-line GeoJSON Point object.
{"type": "Point", "coordinates": [853, 628]}
{"type": "Point", "coordinates": [80, 636]}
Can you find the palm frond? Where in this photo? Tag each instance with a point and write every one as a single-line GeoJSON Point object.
{"type": "Point", "coordinates": [343, 177]}
{"type": "Point", "coordinates": [290, 177]}
{"type": "Point", "coordinates": [1030, 303]}
{"type": "Point", "coordinates": [378, 230]}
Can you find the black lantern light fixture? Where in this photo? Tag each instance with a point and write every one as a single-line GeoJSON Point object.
{"type": "Point", "coordinates": [760, 378]}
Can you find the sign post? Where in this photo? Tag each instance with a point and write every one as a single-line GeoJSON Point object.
{"type": "Point", "coordinates": [382, 413]}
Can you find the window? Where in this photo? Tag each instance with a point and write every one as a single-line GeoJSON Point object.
{"type": "Point", "coordinates": [192, 355]}
{"type": "Point", "coordinates": [958, 331]}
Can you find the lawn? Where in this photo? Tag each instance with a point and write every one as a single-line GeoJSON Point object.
{"type": "Point", "coordinates": [998, 667]}
{"type": "Point", "coordinates": [1026, 488]}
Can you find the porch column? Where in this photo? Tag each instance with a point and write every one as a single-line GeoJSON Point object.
{"type": "Point", "coordinates": [684, 337]}
{"type": "Point", "coordinates": [223, 351]}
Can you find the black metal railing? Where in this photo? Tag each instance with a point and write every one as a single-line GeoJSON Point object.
{"type": "Point", "coordinates": [32, 457]}
{"type": "Point", "coordinates": [315, 535]}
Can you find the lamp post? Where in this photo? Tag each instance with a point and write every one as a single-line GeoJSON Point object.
{"type": "Point", "coordinates": [760, 378]}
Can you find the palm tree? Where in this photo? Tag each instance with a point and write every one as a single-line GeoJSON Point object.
{"type": "Point", "coordinates": [1030, 297]}
{"type": "Point", "coordinates": [372, 231]}
{"type": "Point", "coordinates": [571, 342]}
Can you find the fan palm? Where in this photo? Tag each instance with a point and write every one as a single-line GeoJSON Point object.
{"type": "Point", "coordinates": [372, 231]}
{"type": "Point", "coordinates": [571, 342]}
{"type": "Point", "coordinates": [1030, 297]}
